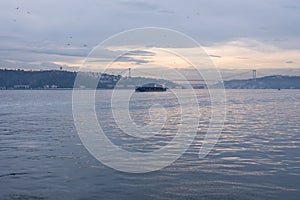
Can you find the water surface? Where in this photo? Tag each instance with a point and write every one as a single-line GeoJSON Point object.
{"type": "Point", "coordinates": [256, 157]}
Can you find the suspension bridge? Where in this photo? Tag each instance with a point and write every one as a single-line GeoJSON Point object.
{"type": "Point", "coordinates": [194, 77]}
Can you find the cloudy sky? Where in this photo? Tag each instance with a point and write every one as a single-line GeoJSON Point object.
{"type": "Point", "coordinates": [237, 34]}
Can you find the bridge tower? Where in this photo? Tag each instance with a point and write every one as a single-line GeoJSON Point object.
{"type": "Point", "coordinates": [254, 74]}
{"type": "Point", "coordinates": [129, 72]}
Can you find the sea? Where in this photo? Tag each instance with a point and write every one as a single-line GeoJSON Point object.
{"type": "Point", "coordinates": [257, 155]}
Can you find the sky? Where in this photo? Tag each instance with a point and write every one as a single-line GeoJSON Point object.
{"type": "Point", "coordinates": [236, 34]}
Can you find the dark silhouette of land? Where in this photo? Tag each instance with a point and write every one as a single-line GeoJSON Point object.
{"type": "Point", "coordinates": [267, 82]}
{"type": "Point", "coordinates": [60, 79]}
{"type": "Point", "coordinates": [20, 79]}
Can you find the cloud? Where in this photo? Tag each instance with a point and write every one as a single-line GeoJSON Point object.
{"type": "Point", "coordinates": [140, 5]}
{"type": "Point", "coordinates": [215, 56]}
{"type": "Point", "coordinates": [32, 66]}
{"type": "Point", "coordinates": [42, 35]}
{"type": "Point", "coordinates": [164, 11]}
{"type": "Point", "coordinates": [132, 60]}
{"type": "Point", "coordinates": [136, 56]}
{"type": "Point", "coordinates": [140, 53]}
{"type": "Point", "coordinates": [247, 53]}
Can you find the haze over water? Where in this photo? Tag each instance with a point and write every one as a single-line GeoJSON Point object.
{"type": "Point", "coordinates": [256, 157]}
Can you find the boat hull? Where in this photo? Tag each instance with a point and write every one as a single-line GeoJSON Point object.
{"type": "Point", "coordinates": [150, 89]}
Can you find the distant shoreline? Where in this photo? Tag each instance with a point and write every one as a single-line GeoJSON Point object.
{"type": "Point", "coordinates": [62, 89]}
{"type": "Point", "coordinates": [60, 79]}
{"type": "Point", "coordinates": [66, 80]}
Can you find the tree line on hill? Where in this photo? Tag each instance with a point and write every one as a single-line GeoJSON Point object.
{"type": "Point", "coordinates": [53, 79]}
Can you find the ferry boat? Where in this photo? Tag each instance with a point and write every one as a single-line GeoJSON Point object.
{"type": "Point", "coordinates": [151, 87]}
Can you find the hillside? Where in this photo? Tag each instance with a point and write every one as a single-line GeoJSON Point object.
{"type": "Point", "coordinates": [267, 82]}
{"type": "Point", "coordinates": [53, 79]}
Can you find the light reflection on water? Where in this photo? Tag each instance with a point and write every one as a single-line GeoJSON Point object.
{"type": "Point", "coordinates": [257, 156]}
